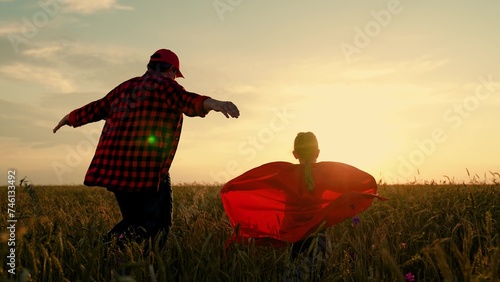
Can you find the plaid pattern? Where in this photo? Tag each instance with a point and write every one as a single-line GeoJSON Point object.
{"type": "Point", "coordinates": [143, 126]}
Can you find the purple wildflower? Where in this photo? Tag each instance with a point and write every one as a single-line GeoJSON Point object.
{"type": "Point", "coordinates": [356, 221]}
{"type": "Point", "coordinates": [409, 277]}
{"type": "Point", "coordinates": [403, 245]}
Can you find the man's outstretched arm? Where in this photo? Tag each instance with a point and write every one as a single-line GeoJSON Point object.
{"type": "Point", "coordinates": [64, 121]}
{"type": "Point", "coordinates": [225, 107]}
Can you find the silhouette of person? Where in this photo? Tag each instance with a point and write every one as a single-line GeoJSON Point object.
{"type": "Point", "coordinates": [306, 150]}
{"type": "Point", "coordinates": [281, 202]}
{"type": "Point", "coordinates": [138, 143]}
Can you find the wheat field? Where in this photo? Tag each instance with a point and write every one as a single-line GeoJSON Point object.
{"type": "Point", "coordinates": [424, 232]}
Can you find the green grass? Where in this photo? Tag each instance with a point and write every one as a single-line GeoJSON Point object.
{"type": "Point", "coordinates": [434, 232]}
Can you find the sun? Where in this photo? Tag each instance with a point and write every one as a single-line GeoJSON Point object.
{"type": "Point", "coordinates": [369, 142]}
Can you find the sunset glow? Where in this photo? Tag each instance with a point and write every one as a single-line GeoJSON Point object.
{"type": "Point", "coordinates": [404, 89]}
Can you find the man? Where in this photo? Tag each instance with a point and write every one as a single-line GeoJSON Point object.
{"type": "Point", "coordinates": [138, 143]}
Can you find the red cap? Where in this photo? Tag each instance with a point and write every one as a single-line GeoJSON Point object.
{"type": "Point", "coordinates": [169, 57]}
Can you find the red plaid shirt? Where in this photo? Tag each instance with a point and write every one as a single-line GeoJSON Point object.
{"type": "Point", "coordinates": [143, 126]}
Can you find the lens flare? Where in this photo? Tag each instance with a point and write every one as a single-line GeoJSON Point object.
{"type": "Point", "coordinates": [151, 139]}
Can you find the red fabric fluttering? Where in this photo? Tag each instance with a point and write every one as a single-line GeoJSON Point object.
{"type": "Point", "coordinates": [270, 203]}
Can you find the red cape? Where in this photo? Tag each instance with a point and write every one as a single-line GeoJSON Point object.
{"type": "Point", "coordinates": [271, 202]}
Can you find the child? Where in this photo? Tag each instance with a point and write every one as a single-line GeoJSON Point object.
{"type": "Point", "coordinates": [281, 202]}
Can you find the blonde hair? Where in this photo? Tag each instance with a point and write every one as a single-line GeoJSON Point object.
{"type": "Point", "coordinates": [306, 149]}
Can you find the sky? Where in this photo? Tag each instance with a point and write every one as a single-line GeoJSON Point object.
{"type": "Point", "coordinates": [404, 90]}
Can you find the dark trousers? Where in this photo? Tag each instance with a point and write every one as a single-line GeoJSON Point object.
{"type": "Point", "coordinates": [302, 247]}
{"type": "Point", "coordinates": [145, 214]}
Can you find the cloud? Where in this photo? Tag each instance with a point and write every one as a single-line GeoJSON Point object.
{"type": "Point", "coordinates": [25, 123]}
{"type": "Point", "coordinates": [49, 77]}
{"type": "Point", "coordinates": [53, 8]}
{"type": "Point", "coordinates": [93, 6]}
{"type": "Point", "coordinates": [66, 102]}
{"type": "Point", "coordinates": [426, 65]}
{"type": "Point", "coordinates": [388, 72]}
{"type": "Point", "coordinates": [366, 73]}
{"type": "Point", "coordinates": [46, 51]}
{"type": "Point", "coordinates": [32, 126]}
{"type": "Point", "coordinates": [69, 51]}
{"type": "Point", "coordinates": [10, 28]}
{"type": "Point", "coordinates": [68, 66]}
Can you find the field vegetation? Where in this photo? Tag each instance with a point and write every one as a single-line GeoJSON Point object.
{"type": "Point", "coordinates": [424, 232]}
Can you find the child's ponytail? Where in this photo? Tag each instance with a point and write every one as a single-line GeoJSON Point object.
{"type": "Point", "coordinates": [308, 177]}
{"type": "Point", "coordinates": [306, 150]}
